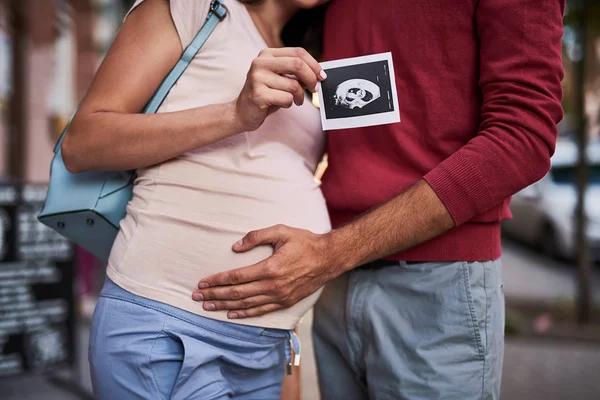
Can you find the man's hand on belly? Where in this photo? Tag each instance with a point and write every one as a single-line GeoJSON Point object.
{"type": "Point", "coordinates": [298, 267]}
{"type": "Point", "coordinates": [303, 261]}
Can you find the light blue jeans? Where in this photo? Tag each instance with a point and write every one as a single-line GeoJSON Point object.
{"type": "Point", "coordinates": [398, 331]}
{"type": "Point", "coordinates": [144, 349]}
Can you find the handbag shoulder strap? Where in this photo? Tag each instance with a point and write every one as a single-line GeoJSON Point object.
{"type": "Point", "coordinates": [216, 14]}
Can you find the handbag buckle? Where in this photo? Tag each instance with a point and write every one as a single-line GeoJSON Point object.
{"type": "Point", "coordinates": [218, 9]}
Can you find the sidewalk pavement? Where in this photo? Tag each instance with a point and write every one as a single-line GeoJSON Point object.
{"type": "Point", "coordinates": [32, 387]}
{"type": "Point", "coordinates": [534, 369]}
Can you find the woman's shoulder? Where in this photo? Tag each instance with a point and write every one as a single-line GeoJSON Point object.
{"type": "Point", "coordinates": [188, 16]}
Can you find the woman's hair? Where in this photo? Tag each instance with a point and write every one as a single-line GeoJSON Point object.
{"type": "Point", "coordinates": [305, 29]}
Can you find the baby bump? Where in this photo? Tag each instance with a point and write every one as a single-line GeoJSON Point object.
{"type": "Point", "coordinates": [185, 234]}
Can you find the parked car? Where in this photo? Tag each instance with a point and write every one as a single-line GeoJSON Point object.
{"type": "Point", "coordinates": [544, 213]}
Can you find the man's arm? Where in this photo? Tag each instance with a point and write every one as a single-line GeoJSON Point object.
{"type": "Point", "coordinates": [407, 220]}
{"type": "Point", "coordinates": [520, 73]}
{"type": "Point", "coordinates": [520, 82]}
{"type": "Point", "coordinates": [304, 261]}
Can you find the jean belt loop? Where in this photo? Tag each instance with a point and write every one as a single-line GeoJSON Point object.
{"type": "Point", "coordinates": [297, 348]}
{"type": "Point", "coordinates": [288, 354]}
{"type": "Point", "coordinates": [293, 349]}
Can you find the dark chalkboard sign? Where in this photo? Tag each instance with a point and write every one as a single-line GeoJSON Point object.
{"type": "Point", "coordinates": [36, 286]}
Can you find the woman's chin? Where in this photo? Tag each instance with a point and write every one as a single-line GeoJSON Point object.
{"type": "Point", "coordinates": [306, 4]}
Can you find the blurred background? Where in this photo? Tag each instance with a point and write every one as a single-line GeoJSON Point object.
{"type": "Point", "coordinates": [49, 51]}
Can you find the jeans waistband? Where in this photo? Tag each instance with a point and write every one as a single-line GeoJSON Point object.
{"type": "Point", "coordinates": [387, 263]}
{"type": "Point", "coordinates": [245, 332]}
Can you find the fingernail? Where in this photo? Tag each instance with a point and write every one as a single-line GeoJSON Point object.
{"type": "Point", "coordinates": [198, 296]}
{"type": "Point", "coordinates": [323, 74]}
{"type": "Point", "coordinates": [233, 315]}
{"type": "Point", "coordinates": [239, 243]}
{"type": "Point", "coordinates": [203, 285]}
{"type": "Point", "coordinates": [209, 306]}
{"type": "Point", "coordinates": [316, 88]}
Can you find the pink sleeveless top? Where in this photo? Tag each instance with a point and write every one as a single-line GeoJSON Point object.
{"type": "Point", "coordinates": [187, 212]}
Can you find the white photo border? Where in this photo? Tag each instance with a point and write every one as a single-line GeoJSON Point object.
{"type": "Point", "coordinates": [389, 117]}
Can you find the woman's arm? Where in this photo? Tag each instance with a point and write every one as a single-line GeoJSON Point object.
{"type": "Point", "coordinates": [109, 133]}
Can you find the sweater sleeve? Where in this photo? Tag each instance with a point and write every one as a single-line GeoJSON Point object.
{"type": "Point", "coordinates": [520, 82]}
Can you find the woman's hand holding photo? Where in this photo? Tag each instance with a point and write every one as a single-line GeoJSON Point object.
{"type": "Point", "coordinates": [276, 79]}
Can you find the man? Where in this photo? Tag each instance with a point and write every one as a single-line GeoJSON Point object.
{"type": "Point", "coordinates": [414, 305]}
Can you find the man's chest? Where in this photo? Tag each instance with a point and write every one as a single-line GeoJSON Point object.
{"type": "Point", "coordinates": [404, 27]}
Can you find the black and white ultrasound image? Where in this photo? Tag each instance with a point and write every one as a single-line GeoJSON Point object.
{"type": "Point", "coordinates": [357, 90]}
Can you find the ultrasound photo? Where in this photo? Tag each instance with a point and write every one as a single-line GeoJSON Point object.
{"type": "Point", "coordinates": [359, 91]}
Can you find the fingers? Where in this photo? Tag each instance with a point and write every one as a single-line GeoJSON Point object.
{"type": "Point", "coordinates": [277, 76]}
{"type": "Point", "coordinates": [271, 235]}
{"type": "Point", "coordinates": [279, 98]}
{"type": "Point", "coordinates": [290, 66]}
{"type": "Point", "coordinates": [304, 55]}
{"type": "Point", "coordinates": [237, 292]}
{"type": "Point", "coordinates": [292, 61]}
{"type": "Point", "coordinates": [267, 98]}
{"type": "Point", "coordinates": [244, 304]}
{"type": "Point", "coordinates": [287, 85]}
{"type": "Point", "coordinates": [254, 312]}
{"type": "Point", "coordinates": [265, 269]}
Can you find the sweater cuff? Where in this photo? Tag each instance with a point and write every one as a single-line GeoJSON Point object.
{"type": "Point", "coordinates": [461, 188]}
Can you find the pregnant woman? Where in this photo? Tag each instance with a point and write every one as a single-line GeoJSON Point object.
{"type": "Point", "coordinates": [232, 149]}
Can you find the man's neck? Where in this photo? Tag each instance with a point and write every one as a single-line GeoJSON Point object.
{"type": "Point", "coordinates": [269, 17]}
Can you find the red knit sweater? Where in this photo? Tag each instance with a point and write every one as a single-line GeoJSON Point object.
{"type": "Point", "coordinates": [479, 87]}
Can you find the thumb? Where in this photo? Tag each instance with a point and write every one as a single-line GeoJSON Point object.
{"type": "Point", "coordinates": [252, 239]}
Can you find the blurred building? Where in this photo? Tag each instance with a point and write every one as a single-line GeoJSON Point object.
{"type": "Point", "coordinates": [574, 52]}
{"type": "Point", "coordinates": [62, 53]}
{"type": "Point", "coordinates": [58, 45]}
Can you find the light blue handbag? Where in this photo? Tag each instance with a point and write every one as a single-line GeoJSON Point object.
{"type": "Point", "coordinates": [88, 207]}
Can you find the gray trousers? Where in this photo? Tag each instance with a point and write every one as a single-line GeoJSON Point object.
{"type": "Point", "coordinates": [392, 330]}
